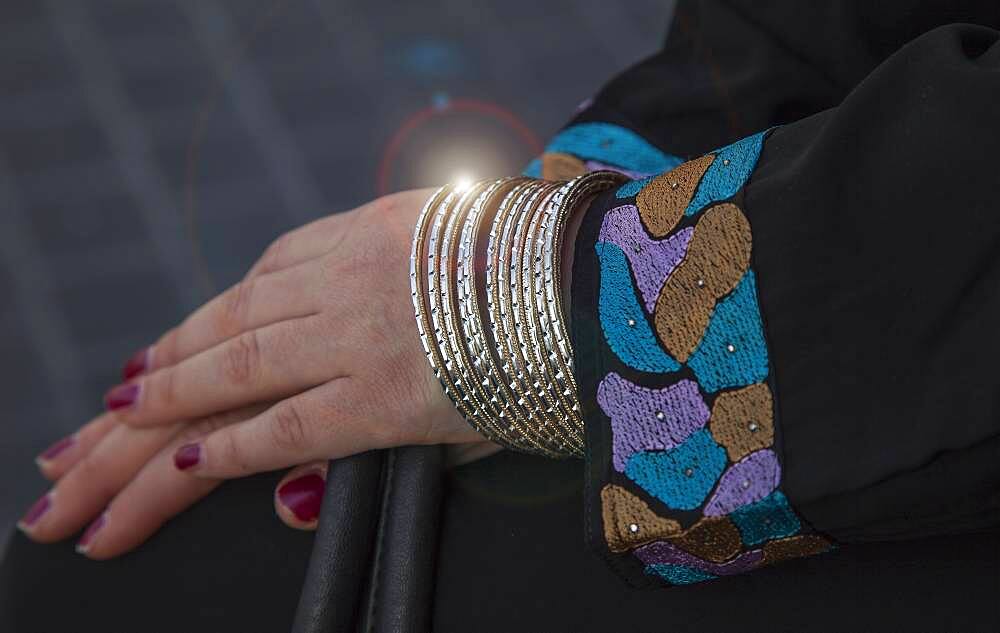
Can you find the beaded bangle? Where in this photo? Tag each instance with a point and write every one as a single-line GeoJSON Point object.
{"type": "Point", "coordinates": [489, 311]}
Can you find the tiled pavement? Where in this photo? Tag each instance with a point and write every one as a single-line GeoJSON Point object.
{"type": "Point", "coordinates": [149, 150]}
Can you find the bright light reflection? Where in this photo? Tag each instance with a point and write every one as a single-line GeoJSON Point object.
{"type": "Point", "coordinates": [462, 181]}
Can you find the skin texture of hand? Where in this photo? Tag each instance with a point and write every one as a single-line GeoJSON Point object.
{"type": "Point", "coordinates": [314, 355]}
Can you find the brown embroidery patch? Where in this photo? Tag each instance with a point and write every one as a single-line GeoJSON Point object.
{"type": "Point", "coordinates": [629, 522]}
{"type": "Point", "coordinates": [743, 420]}
{"type": "Point", "coordinates": [663, 200]}
{"type": "Point", "coordinates": [717, 258]}
{"type": "Point", "coordinates": [559, 166]}
{"type": "Point", "coordinates": [794, 547]}
{"type": "Point", "coordinates": [712, 538]}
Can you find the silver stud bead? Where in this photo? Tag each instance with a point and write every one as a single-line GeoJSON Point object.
{"type": "Point", "coordinates": [726, 162]}
{"type": "Point", "coordinates": [689, 472]}
{"type": "Point", "coordinates": [730, 348]}
{"type": "Point", "coordinates": [633, 528]}
{"type": "Point", "coordinates": [746, 484]}
{"type": "Point", "coordinates": [700, 283]}
{"type": "Point", "coordinates": [753, 427]}
{"type": "Point", "coordinates": [660, 415]}
{"type": "Point", "coordinates": [631, 322]}
{"type": "Point", "coordinates": [637, 248]}
{"type": "Point", "coordinates": [674, 185]}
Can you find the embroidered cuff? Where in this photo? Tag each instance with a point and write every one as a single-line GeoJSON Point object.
{"type": "Point", "coordinates": [684, 444]}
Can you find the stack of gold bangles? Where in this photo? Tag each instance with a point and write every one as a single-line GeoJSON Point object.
{"type": "Point", "coordinates": [485, 277]}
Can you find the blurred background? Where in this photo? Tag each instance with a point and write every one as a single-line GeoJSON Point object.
{"type": "Point", "coordinates": [151, 149]}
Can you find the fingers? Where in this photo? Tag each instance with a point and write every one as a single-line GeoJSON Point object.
{"type": "Point", "coordinates": [322, 423]}
{"type": "Point", "coordinates": [302, 244]}
{"type": "Point", "coordinates": [260, 365]}
{"type": "Point", "coordinates": [65, 453]}
{"type": "Point", "coordinates": [157, 493]}
{"type": "Point", "coordinates": [299, 495]}
{"type": "Point", "coordinates": [90, 484]}
{"type": "Point", "coordinates": [252, 303]}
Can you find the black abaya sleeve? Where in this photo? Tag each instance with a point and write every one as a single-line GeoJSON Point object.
{"type": "Point", "coordinates": [790, 343]}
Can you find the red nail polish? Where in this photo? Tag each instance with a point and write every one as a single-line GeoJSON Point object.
{"type": "Point", "coordinates": [187, 456]}
{"type": "Point", "coordinates": [303, 496]}
{"type": "Point", "coordinates": [36, 511]}
{"type": "Point", "coordinates": [121, 396]}
{"type": "Point", "coordinates": [88, 535]}
{"type": "Point", "coordinates": [57, 449]}
{"type": "Point", "coordinates": [137, 364]}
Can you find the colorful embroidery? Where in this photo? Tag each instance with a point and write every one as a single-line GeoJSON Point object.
{"type": "Point", "coordinates": [678, 574]}
{"type": "Point", "coordinates": [794, 547]}
{"type": "Point", "coordinates": [645, 419]}
{"type": "Point", "coordinates": [629, 522]}
{"type": "Point", "coordinates": [717, 258]}
{"type": "Point", "coordinates": [729, 172]}
{"type": "Point", "coordinates": [743, 420]}
{"type": "Point", "coordinates": [559, 166]}
{"type": "Point", "coordinates": [733, 352]}
{"type": "Point", "coordinates": [661, 203]}
{"type": "Point", "coordinates": [680, 477]}
{"type": "Point", "coordinates": [631, 188]}
{"type": "Point", "coordinates": [713, 538]}
{"type": "Point", "coordinates": [661, 553]}
{"type": "Point", "coordinates": [768, 519]}
{"type": "Point", "coordinates": [622, 317]}
{"type": "Point", "coordinates": [612, 145]}
{"type": "Point", "coordinates": [748, 480]}
{"type": "Point", "coordinates": [533, 169]}
{"type": "Point", "coordinates": [652, 261]}
{"type": "Point", "coordinates": [696, 493]}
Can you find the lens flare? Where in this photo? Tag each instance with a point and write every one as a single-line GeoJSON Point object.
{"type": "Point", "coordinates": [462, 181]}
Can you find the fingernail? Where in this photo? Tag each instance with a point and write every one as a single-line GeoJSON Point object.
{"type": "Point", "coordinates": [121, 396]}
{"type": "Point", "coordinates": [35, 512]}
{"type": "Point", "coordinates": [187, 456]}
{"type": "Point", "coordinates": [137, 364]}
{"type": "Point", "coordinates": [88, 535]}
{"type": "Point", "coordinates": [57, 449]}
{"type": "Point", "coordinates": [303, 496]}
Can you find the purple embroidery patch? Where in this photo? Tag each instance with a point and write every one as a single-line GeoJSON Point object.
{"type": "Point", "coordinates": [644, 419]}
{"type": "Point", "coordinates": [651, 260]}
{"type": "Point", "coordinates": [661, 552]}
{"type": "Point", "coordinates": [747, 481]}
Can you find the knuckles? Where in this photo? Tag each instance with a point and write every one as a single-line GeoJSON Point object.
{"type": "Point", "coordinates": [241, 359]}
{"type": "Point", "coordinates": [288, 428]}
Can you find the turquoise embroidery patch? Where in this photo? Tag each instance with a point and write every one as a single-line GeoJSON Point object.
{"type": "Point", "coordinates": [614, 145]}
{"type": "Point", "coordinates": [622, 317]}
{"type": "Point", "coordinates": [533, 169]}
{"type": "Point", "coordinates": [678, 574]}
{"type": "Point", "coordinates": [683, 476]}
{"type": "Point", "coordinates": [769, 518]}
{"type": "Point", "coordinates": [727, 173]}
{"type": "Point", "coordinates": [632, 187]}
{"type": "Point", "coordinates": [733, 352]}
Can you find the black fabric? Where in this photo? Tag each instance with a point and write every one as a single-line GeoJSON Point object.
{"type": "Point", "coordinates": [729, 69]}
{"type": "Point", "coordinates": [227, 564]}
{"type": "Point", "coordinates": [513, 559]}
{"type": "Point", "coordinates": [877, 246]}
{"type": "Point", "coordinates": [877, 255]}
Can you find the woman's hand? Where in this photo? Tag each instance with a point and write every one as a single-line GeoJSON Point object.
{"type": "Point", "coordinates": [321, 330]}
{"type": "Point", "coordinates": [324, 328]}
